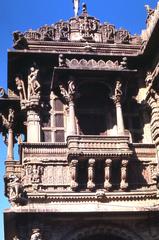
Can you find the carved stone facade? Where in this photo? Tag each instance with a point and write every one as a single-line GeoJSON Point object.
{"type": "Point", "coordinates": [85, 120]}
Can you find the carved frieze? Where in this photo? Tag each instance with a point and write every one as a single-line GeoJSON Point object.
{"type": "Point", "coordinates": [93, 64]}
{"type": "Point", "coordinates": [81, 28]}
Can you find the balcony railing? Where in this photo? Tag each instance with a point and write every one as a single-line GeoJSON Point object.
{"type": "Point", "coordinates": [98, 145]}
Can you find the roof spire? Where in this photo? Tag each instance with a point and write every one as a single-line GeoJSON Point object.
{"type": "Point", "coordinates": [76, 6]}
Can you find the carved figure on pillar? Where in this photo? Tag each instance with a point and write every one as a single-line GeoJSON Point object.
{"type": "Point", "coordinates": [123, 183]}
{"type": "Point", "coordinates": [117, 101]}
{"type": "Point", "coordinates": [90, 183]}
{"type": "Point", "coordinates": [69, 96]}
{"type": "Point", "coordinates": [21, 88]}
{"type": "Point", "coordinates": [118, 91]}
{"type": "Point", "coordinates": [108, 164]}
{"type": "Point", "coordinates": [36, 235]}
{"type": "Point", "coordinates": [33, 83]}
{"type": "Point", "coordinates": [73, 172]}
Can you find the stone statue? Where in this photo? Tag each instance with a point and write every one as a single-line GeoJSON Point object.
{"type": "Point", "coordinates": [118, 92]}
{"type": "Point", "coordinates": [36, 235]}
{"type": "Point", "coordinates": [15, 238]}
{"type": "Point", "coordinates": [71, 86]}
{"type": "Point", "coordinates": [150, 13]}
{"type": "Point", "coordinates": [62, 61]}
{"type": "Point", "coordinates": [76, 7]}
{"type": "Point", "coordinates": [11, 116]}
{"type": "Point", "coordinates": [64, 93]}
{"type": "Point", "coordinates": [2, 92]}
{"type": "Point", "coordinates": [33, 83]}
{"type": "Point", "coordinates": [14, 187]}
{"type": "Point", "coordinates": [20, 87]}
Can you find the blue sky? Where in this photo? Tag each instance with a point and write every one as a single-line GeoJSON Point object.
{"type": "Point", "coordinates": [22, 15]}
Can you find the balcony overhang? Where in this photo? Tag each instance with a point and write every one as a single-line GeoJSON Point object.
{"type": "Point", "coordinates": [62, 74]}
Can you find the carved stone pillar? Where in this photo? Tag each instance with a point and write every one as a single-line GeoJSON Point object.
{"type": "Point", "coordinates": [33, 127]}
{"type": "Point", "coordinates": [124, 183]}
{"type": "Point", "coordinates": [10, 154]}
{"type": "Point", "coordinates": [30, 102]}
{"type": "Point", "coordinates": [90, 183]}
{"type": "Point", "coordinates": [74, 174]}
{"type": "Point", "coordinates": [119, 115]}
{"type": "Point", "coordinates": [8, 124]}
{"type": "Point", "coordinates": [69, 96]}
{"type": "Point", "coordinates": [107, 183]}
{"type": "Point", "coordinates": [72, 120]}
{"type": "Point", "coordinates": [153, 101]}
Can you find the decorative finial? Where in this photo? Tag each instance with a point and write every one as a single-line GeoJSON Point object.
{"type": "Point", "coordinates": [76, 6]}
{"type": "Point", "coordinates": [84, 9]}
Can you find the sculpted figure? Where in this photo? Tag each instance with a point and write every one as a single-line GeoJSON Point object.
{"type": "Point", "coordinates": [14, 186]}
{"type": "Point", "coordinates": [20, 87]}
{"type": "Point", "coordinates": [71, 86]}
{"type": "Point", "coordinates": [36, 235]}
{"type": "Point", "coordinates": [118, 91]}
{"type": "Point", "coordinates": [33, 84]}
{"type": "Point", "coordinates": [15, 238]}
{"type": "Point", "coordinates": [62, 60]}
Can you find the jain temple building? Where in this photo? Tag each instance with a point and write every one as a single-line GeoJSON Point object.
{"type": "Point", "coordinates": [82, 105]}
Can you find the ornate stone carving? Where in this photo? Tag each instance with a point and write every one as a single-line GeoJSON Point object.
{"type": "Point", "coordinates": [62, 30]}
{"type": "Point", "coordinates": [20, 42]}
{"type": "Point", "coordinates": [108, 65]}
{"type": "Point", "coordinates": [118, 92]}
{"type": "Point", "coordinates": [150, 14]}
{"type": "Point", "coordinates": [7, 132]}
{"type": "Point", "coordinates": [36, 172]}
{"type": "Point", "coordinates": [87, 28]}
{"type": "Point", "coordinates": [123, 183]}
{"type": "Point", "coordinates": [15, 191]}
{"type": "Point", "coordinates": [47, 33]}
{"type": "Point", "coordinates": [73, 172]}
{"type": "Point", "coordinates": [62, 61]}
{"type": "Point", "coordinates": [108, 33]}
{"type": "Point", "coordinates": [107, 183]}
{"type": "Point", "coordinates": [36, 234]}
{"type": "Point", "coordinates": [21, 88]}
{"type": "Point", "coordinates": [90, 183]}
{"type": "Point", "coordinates": [15, 238]}
{"type": "Point", "coordinates": [83, 27]}
{"type": "Point", "coordinates": [122, 36]}
{"type": "Point", "coordinates": [68, 93]}
{"type": "Point", "coordinates": [2, 92]}
{"type": "Point", "coordinates": [33, 83]}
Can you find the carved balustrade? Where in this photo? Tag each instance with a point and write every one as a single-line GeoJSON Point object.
{"type": "Point", "coordinates": [98, 146]}
{"type": "Point", "coordinates": [93, 152]}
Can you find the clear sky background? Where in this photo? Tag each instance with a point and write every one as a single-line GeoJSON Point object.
{"type": "Point", "coordinates": [23, 15]}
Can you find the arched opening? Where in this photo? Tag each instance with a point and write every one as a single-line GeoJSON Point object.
{"type": "Point", "coordinates": [94, 109]}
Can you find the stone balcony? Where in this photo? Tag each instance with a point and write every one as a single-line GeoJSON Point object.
{"type": "Point", "coordinates": [98, 146]}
